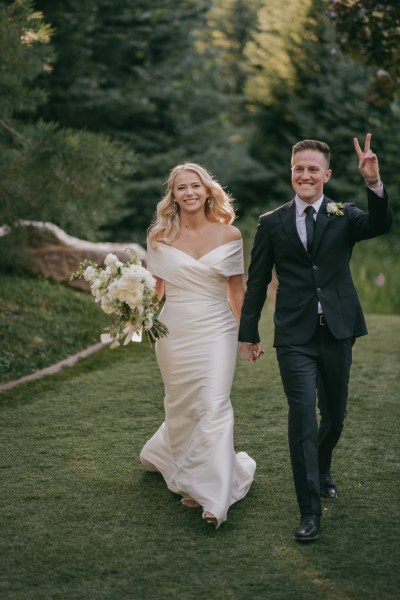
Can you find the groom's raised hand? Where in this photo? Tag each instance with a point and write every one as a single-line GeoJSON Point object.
{"type": "Point", "coordinates": [367, 162]}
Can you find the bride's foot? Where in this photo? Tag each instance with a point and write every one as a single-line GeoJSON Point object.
{"type": "Point", "coordinates": [189, 503]}
{"type": "Point", "coordinates": [209, 518]}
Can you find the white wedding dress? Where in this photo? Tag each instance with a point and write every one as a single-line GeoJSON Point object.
{"type": "Point", "coordinates": [193, 448]}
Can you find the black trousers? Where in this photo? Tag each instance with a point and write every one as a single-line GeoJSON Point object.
{"type": "Point", "coordinates": [321, 367]}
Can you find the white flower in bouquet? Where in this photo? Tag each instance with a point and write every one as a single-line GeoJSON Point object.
{"type": "Point", "coordinates": [126, 291]}
{"type": "Point", "coordinates": [107, 305]}
{"type": "Point", "coordinates": [90, 274]}
{"type": "Point", "coordinates": [111, 259]}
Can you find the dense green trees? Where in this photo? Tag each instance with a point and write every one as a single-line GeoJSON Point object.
{"type": "Point", "coordinates": [147, 74]}
{"type": "Point", "coordinates": [48, 172]}
{"type": "Point", "coordinates": [89, 130]}
{"type": "Point", "coordinates": [328, 99]}
{"type": "Point", "coordinates": [369, 31]}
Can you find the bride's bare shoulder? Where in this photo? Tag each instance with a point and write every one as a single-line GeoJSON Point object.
{"type": "Point", "coordinates": [231, 233]}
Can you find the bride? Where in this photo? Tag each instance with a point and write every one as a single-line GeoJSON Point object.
{"type": "Point", "coordinates": [196, 256]}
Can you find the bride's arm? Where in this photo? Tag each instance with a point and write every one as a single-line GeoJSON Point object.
{"type": "Point", "coordinates": [160, 287]}
{"type": "Point", "coordinates": [236, 294]}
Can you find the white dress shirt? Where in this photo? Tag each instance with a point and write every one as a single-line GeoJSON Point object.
{"type": "Point", "coordinates": [301, 216]}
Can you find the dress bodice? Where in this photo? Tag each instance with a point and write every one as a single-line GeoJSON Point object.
{"type": "Point", "coordinates": [187, 276]}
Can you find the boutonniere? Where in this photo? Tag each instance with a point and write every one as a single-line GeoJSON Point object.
{"type": "Point", "coordinates": [335, 208]}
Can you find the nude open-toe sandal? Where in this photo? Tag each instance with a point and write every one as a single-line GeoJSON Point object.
{"type": "Point", "coordinates": [189, 503]}
{"type": "Point", "coordinates": [209, 518]}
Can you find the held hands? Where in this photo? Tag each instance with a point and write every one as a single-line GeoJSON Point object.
{"type": "Point", "coordinates": [250, 352]}
{"type": "Point", "coordinates": [368, 162]}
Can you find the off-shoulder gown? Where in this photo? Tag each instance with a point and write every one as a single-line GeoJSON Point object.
{"type": "Point", "coordinates": [193, 449]}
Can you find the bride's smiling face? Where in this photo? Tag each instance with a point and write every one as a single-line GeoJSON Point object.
{"type": "Point", "coordinates": [189, 192]}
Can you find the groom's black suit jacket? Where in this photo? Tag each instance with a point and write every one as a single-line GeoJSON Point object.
{"type": "Point", "coordinates": [305, 279]}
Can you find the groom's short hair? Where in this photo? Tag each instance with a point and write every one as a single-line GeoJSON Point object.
{"type": "Point", "coordinates": [312, 145]}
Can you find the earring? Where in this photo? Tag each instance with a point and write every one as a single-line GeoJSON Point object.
{"type": "Point", "coordinates": [174, 210]}
{"type": "Point", "coordinates": [210, 203]}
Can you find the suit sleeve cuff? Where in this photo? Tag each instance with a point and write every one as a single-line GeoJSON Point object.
{"type": "Point", "coordinates": [379, 191]}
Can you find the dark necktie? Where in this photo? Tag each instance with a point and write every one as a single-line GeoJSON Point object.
{"type": "Point", "coordinates": [310, 224]}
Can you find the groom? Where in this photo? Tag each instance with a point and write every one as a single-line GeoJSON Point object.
{"type": "Point", "coordinates": [317, 317]}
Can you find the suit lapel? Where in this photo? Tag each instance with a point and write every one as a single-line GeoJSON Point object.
{"type": "Point", "coordinates": [288, 217]}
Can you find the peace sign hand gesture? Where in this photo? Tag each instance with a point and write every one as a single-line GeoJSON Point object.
{"type": "Point", "coordinates": [367, 160]}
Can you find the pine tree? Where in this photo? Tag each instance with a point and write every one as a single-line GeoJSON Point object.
{"type": "Point", "coordinates": [368, 31]}
{"type": "Point", "coordinates": [328, 100]}
{"type": "Point", "coordinates": [48, 173]}
{"type": "Point", "coordinates": [147, 74]}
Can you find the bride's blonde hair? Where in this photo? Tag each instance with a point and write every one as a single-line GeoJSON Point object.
{"type": "Point", "coordinates": [218, 207]}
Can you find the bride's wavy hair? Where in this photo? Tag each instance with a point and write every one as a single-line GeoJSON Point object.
{"type": "Point", "coordinates": [165, 227]}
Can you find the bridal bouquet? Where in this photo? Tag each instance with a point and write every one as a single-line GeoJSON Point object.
{"type": "Point", "coordinates": [126, 292]}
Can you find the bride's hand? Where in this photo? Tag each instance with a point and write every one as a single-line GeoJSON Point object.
{"type": "Point", "coordinates": [258, 353]}
{"type": "Point", "coordinates": [250, 352]}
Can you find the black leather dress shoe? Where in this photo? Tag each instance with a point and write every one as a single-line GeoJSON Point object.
{"type": "Point", "coordinates": [308, 530]}
{"type": "Point", "coordinates": [327, 486]}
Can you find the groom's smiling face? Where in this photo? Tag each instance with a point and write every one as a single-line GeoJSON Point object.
{"type": "Point", "coordinates": [310, 171]}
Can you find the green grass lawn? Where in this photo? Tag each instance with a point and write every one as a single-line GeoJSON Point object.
{"type": "Point", "coordinates": [43, 322]}
{"type": "Point", "coordinates": [80, 519]}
